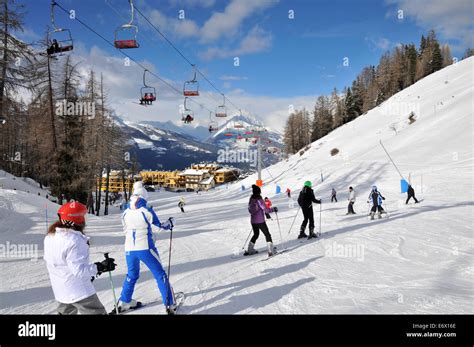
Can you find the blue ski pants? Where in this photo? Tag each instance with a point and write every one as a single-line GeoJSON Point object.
{"type": "Point", "coordinates": [151, 259]}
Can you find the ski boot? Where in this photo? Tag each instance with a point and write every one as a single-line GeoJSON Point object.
{"type": "Point", "coordinates": [380, 215]}
{"type": "Point", "coordinates": [171, 310]}
{"type": "Point", "coordinates": [312, 235]}
{"type": "Point", "coordinates": [124, 306]}
{"type": "Point", "coordinates": [372, 214]}
{"type": "Point", "coordinates": [271, 249]}
{"type": "Point", "coordinates": [302, 234]}
{"type": "Point", "coordinates": [251, 249]}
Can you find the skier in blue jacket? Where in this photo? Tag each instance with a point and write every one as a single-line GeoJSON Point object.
{"type": "Point", "coordinates": [137, 221]}
{"type": "Point", "coordinates": [376, 198]}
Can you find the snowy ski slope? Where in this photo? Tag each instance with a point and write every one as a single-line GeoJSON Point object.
{"type": "Point", "coordinates": [420, 260]}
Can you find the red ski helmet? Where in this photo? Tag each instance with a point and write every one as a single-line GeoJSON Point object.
{"type": "Point", "coordinates": [72, 213]}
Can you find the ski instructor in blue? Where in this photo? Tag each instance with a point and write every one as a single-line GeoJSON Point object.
{"type": "Point", "coordinates": [137, 221]}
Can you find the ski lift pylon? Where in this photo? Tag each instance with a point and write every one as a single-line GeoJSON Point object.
{"type": "Point", "coordinates": [119, 41]}
{"type": "Point", "coordinates": [191, 88]}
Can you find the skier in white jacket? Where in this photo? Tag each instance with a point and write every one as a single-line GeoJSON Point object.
{"type": "Point", "coordinates": [137, 221]}
{"type": "Point", "coordinates": [352, 199]}
{"type": "Point", "coordinates": [66, 252]}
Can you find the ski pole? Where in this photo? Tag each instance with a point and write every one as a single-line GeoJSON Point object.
{"type": "Point", "coordinates": [106, 255]}
{"type": "Point", "coordinates": [279, 229]}
{"type": "Point", "coordinates": [46, 214]}
{"type": "Point", "coordinates": [248, 237]}
{"type": "Point", "coordinates": [320, 215]}
{"type": "Point", "coordinates": [169, 261]}
{"type": "Point", "coordinates": [294, 219]}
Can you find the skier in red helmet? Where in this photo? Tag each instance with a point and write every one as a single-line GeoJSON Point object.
{"type": "Point", "coordinates": [66, 252]}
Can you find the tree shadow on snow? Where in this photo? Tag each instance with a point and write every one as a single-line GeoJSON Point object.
{"type": "Point", "coordinates": [272, 294]}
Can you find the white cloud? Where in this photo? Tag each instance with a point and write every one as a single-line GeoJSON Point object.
{"type": "Point", "coordinates": [192, 3]}
{"type": "Point", "coordinates": [233, 78]}
{"type": "Point", "coordinates": [123, 89]}
{"type": "Point", "coordinates": [381, 43]}
{"type": "Point", "coordinates": [451, 19]}
{"type": "Point", "coordinates": [257, 40]}
{"type": "Point", "coordinates": [183, 28]}
{"type": "Point", "coordinates": [227, 23]}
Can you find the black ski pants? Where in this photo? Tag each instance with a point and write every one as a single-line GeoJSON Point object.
{"type": "Point", "coordinates": [350, 207]}
{"type": "Point", "coordinates": [411, 196]}
{"type": "Point", "coordinates": [376, 208]}
{"type": "Point", "coordinates": [308, 217]}
{"type": "Point", "coordinates": [256, 232]}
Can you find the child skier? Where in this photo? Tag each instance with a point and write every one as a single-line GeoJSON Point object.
{"type": "Point", "coordinates": [137, 221]}
{"type": "Point", "coordinates": [257, 210]}
{"type": "Point", "coordinates": [305, 200]}
{"type": "Point", "coordinates": [66, 252]}
{"type": "Point", "coordinates": [376, 198]}
{"type": "Point", "coordinates": [268, 205]}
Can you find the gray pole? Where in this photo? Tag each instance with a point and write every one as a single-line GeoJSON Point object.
{"type": "Point", "coordinates": [259, 155]}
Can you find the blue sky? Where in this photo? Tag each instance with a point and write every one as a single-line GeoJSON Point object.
{"type": "Point", "coordinates": [282, 61]}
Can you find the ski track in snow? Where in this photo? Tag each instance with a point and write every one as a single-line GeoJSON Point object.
{"type": "Point", "coordinates": [417, 261]}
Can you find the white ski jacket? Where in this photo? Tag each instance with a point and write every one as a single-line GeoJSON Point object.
{"type": "Point", "coordinates": [352, 196]}
{"type": "Point", "coordinates": [66, 253]}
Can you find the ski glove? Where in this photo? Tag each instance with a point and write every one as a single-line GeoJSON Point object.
{"type": "Point", "coordinates": [275, 209]}
{"type": "Point", "coordinates": [106, 265]}
{"type": "Point", "coordinates": [168, 224]}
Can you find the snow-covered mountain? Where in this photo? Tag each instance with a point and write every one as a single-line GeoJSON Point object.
{"type": "Point", "coordinates": [158, 149]}
{"type": "Point", "coordinates": [197, 132]}
{"type": "Point", "coordinates": [239, 133]}
{"type": "Point", "coordinates": [418, 261]}
{"type": "Point", "coordinates": [164, 145]}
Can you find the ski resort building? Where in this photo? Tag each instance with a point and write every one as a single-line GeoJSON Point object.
{"type": "Point", "coordinates": [171, 179]}
{"type": "Point", "coordinates": [198, 179]}
{"type": "Point", "coordinates": [118, 181]}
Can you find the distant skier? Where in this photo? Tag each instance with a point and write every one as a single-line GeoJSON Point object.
{"type": "Point", "coordinates": [268, 205]}
{"type": "Point", "coordinates": [257, 210]}
{"type": "Point", "coordinates": [288, 193]}
{"type": "Point", "coordinates": [181, 204]}
{"type": "Point", "coordinates": [352, 199]}
{"type": "Point", "coordinates": [137, 221]}
{"type": "Point", "coordinates": [66, 252]}
{"type": "Point", "coordinates": [333, 195]}
{"type": "Point", "coordinates": [376, 198]}
{"type": "Point", "coordinates": [305, 200]}
{"type": "Point", "coordinates": [411, 194]}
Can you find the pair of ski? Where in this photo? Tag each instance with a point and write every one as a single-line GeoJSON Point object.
{"type": "Point", "coordinates": [179, 300]}
{"type": "Point", "coordinates": [275, 253]}
{"type": "Point", "coordinates": [305, 239]}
